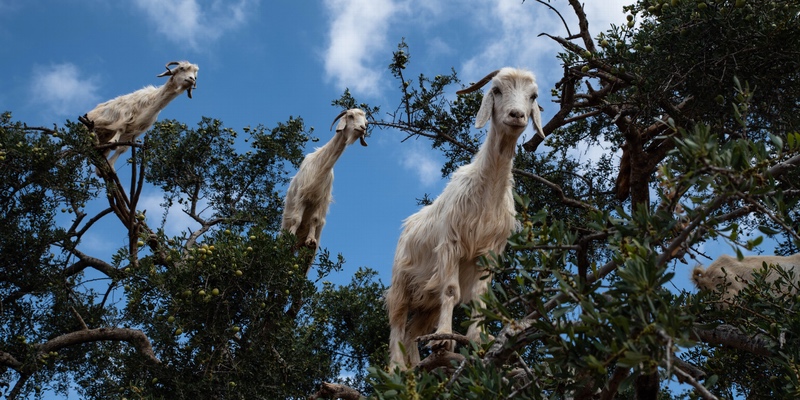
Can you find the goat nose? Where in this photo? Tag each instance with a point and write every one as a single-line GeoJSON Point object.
{"type": "Point", "coordinates": [516, 113]}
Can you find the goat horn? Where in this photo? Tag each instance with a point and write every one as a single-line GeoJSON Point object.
{"type": "Point", "coordinates": [168, 71]}
{"type": "Point", "coordinates": [479, 84]}
{"type": "Point", "coordinates": [341, 114]}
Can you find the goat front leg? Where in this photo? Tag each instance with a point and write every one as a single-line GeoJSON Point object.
{"type": "Point", "coordinates": [115, 156]}
{"type": "Point", "coordinates": [315, 229]}
{"type": "Point", "coordinates": [449, 298]}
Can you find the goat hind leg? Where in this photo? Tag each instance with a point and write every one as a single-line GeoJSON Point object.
{"type": "Point", "coordinates": [397, 306]}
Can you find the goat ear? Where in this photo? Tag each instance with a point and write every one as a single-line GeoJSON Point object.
{"type": "Point", "coordinates": [342, 124]}
{"type": "Point", "coordinates": [536, 116]}
{"type": "Point", "coordinates": [485, 112]}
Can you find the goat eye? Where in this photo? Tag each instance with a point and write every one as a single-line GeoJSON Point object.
{"type": "Point", "coordinates": [496, 91]}
{"type": "Point", "coordinates": [534, 96]}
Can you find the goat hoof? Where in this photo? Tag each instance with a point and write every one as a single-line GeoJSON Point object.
{"type": "Point", "coordinates": [311, 243]}
{"type": "Point", "coordinates": [446, 345]}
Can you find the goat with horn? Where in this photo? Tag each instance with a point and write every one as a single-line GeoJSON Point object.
{"type": "Point", "coordinates": [310, 191]}
{"type": "Point", "coordinates": [126, 117]}
{"type": "Point", "coordinates": [436, 262]}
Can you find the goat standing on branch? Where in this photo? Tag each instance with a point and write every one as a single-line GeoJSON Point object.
{"type": "Point", "coordinates": [311, 190]}
{"type": "Point", "coordinates": [435, 265]}
{"type": "Point", "coordinates": [733, 274]}
{"type": "Point", "coordinates": [124, 118]}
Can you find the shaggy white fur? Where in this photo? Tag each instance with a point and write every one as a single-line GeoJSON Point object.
{"type": "Point", "coordinates": [435, 264]}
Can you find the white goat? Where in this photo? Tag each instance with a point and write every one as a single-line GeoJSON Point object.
{"type": "Point", "coordinates": [435, 265]}
{"type": "Point", "coordinates": [124, 118]}
{"type": "Point", "coordinates": [734, 275]}
{"type": "Point", "coordinates": [311, 189]}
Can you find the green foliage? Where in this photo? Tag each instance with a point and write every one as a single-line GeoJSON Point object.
{"type": "Point", "coordinates": [700, 96]}
{"type": "Point", "coordinates": [224, 308]}
{"type": "Point", "coordinates": [583, 302]}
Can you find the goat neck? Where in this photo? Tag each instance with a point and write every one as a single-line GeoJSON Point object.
{"type": "Point", "coordinates": [328, 154]}
{"type": "Point", "coordinates": [495, 158]}
{"type": "Point", "coordinates": [166, 93]}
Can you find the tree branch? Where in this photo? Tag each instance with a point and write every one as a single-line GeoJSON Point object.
{"type": "Point", "coordinates": [335, 391]}
{"type": "Point", "coordinates": [730, 336]}
{"type": "Point", "coordinates": [133, 336]}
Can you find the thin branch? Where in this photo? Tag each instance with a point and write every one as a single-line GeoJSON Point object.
{"type": "Point", "coordinates": [557, 13]}
{"type": "Point", "coordinates": [85, 261]}
{"type": "Point", "coordinates": [78, 316]}
{"type": "Point", "coordinates": [698, 387]}
{"type": "Point", "coordinates": [566, 200]}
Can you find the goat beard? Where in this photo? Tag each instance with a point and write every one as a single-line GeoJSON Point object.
{"type": "Point", "coordinates": [189, 92]}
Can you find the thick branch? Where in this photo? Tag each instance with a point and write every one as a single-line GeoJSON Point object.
{"type": "Point", "coordinates": [730, 336]}
{"type": "Point", "coordinates": [133, 336]}
{"type": "Point", "coordinates": [335, 391]}
{"type": "Point", "coordinates": [8, 360]}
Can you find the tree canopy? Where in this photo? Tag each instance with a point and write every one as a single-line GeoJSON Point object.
{"type": "Point", "coordinates": [701, 98]}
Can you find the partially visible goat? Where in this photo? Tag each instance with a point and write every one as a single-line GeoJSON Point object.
{"type": "Point", "coordinates": [311, 189]}
{"type": "Point", "coordinates": [124, 118]}
{"type": "Point", "coordinates": [435, 264]}
{"type": "Point", "coordinates": [733, 275]}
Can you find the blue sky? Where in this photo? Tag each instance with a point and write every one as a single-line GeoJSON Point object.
{"type": "Point", "coordinates": [261, 62]}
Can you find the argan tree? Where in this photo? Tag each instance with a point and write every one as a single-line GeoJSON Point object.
{"type": "Point", "coordinates": [699, 100]}
{"type": "Point", "coordinates": [220, 310]}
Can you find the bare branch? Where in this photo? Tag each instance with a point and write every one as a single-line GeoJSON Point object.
{"type": "Point", "coordinates": [564, 199]}
{"type": "Point", "coordinates": [698, 387]}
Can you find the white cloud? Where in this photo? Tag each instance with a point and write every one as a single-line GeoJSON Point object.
{"type": "Point", "coordinates": [357, 33]}
{"type": "Point", "coordinates": [190, 23]}
{"type": "Point", "coordinates": [602, 14]}
{"type": "Point", "coordinates": [420, 160]}
{"type": "Point", "coordinates": [512, 36]}
{"type": "Point", "coordinates": [62, 90]}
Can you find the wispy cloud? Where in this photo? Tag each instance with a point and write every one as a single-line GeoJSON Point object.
{"type": "Point", "coordinates": [358, 29]}
{"type": "Point", "coordinates": [176, 222]}
{"type": "Point", "coordinates": [420, 160]}
{"type": "Point", "coordinates": [194, 24]}
{"type": "Point", "coordinates": [512, 33]}
{"type": "Point", "coordinates": [62, 90]}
